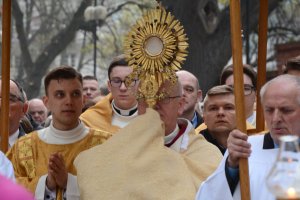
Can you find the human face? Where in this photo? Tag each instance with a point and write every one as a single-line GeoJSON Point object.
{"type": "Point", "coordinates": [124, 97]}
{"type": "Point", "coordinates": [219, 113]}
{"type": "Point", "coordinates": [37, 110]}
{"type": "Point", "coordinates": [249, 99]}
{"type": "Point", "coordinates": [17, 108]}
{"type": "Point", "coordinates": [282, 110]}
{"type": "Point", "coordinates": [65, 101]}
{"type": "Point", "coordinates": [168, 110]}
{"type": "Point", "coordinates": [191, 94]}
{"type": "Point", "coordinates": [90, 89]}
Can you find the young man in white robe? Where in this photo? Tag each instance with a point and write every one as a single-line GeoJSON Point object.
{"type": "Point", "coordinates": [281, 104]}
{"type": "Point", "coordinates": [43, 160]}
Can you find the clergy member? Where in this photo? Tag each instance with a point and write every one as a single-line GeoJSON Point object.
{"type": "Point", "coordinates": [156, 156]}
{"type": "Point", "coordinates": [119, 107]}
{"type": "Point", "coordinates": [43, 160]}
{"type": "Point", "coordinates": [280, 99]}
{"type": "Point", "coordinates": [249, 77]}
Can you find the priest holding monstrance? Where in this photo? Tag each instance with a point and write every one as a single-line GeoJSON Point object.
{"type": "Point", "coordinates": [280, 99]}
{"type": "Point", "coordinates": [156, 156]}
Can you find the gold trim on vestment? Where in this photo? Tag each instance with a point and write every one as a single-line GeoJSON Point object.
{"type": "Point", "coordinates": [99, 137]}
{"type": "Point", "coordinates": [26, 155]}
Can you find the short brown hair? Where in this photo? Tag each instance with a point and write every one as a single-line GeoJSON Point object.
{"type": "Point", "coordinates": [247, 69]}
{"type": "Point", "coordinates": [117, 61]}
{"type": "Point", "coordinates": [218, 90]}
{"type": "Point", "coordinates": [62, 72]}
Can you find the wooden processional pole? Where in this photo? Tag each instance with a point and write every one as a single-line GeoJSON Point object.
{"type": "Point", "coordinates": [262, 62]}
{"type": "Point", "coordinates": [6, 33]}
{"type": "Point", "coordinates": [236, 46]}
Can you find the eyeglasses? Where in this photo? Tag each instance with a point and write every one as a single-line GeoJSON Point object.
{"type": "Point", "coordinates": [247, 89]}
{"type": "Point", "coordinates": [167, 100]}
{"type": "Point", "coordinates": [118, 82]}
{"type": "Point", "coordinates": [14, 98]}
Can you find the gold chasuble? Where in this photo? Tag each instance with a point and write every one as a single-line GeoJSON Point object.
{"type": "Point", "coordinates": [30, 155]}
{"type": "Point", "coordinates": [201, 157]}
{"type": "Point", "coordinates": [99, 116]}
{"type": "Point", "coordinates": [135, 164]}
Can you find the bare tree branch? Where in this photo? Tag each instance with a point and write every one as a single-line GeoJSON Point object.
{"type": "Point", "coordinates": [58, 43]}
{"type": "Point", "coordinates": [114, 36]}
{"type": "Point", "coordinates": [120, 6]}
{"type": "Point", "coordinates": [18, 15]}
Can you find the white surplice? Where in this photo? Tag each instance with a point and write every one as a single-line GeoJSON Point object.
{"type": "Point", "coordinates": [260, 163]}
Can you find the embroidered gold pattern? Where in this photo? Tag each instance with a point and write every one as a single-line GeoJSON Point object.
{"type": "Point", "coordinates": [99, 137]}
{"type": "Point", "coordinates": [26, 155]}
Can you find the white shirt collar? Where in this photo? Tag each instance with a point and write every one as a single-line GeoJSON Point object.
{"type": "Point", "coordinates": [119, 111]}
{"type": "Point", "coordinates": [52, 135]}
{"type": "Point", "coordinates": [13, 138]}
{"type": "Point", "coordinates": [172, 135]}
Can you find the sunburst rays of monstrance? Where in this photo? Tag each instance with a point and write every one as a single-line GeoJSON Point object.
{"type": "Point", "coordinates": [155, 48]}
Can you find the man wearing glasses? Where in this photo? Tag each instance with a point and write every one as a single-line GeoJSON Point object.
{"type": "Point", "coordinates": [119, 107]}
{"type": "Point", "coordinates": [160, 157]}
{"type": "Point", "coordinates": [18, 107]}
{"type": "Point", "coordinates": [250, 77]}
{"type": "Point", "coordinates": [43, 159]}
{"type": "Point", "coordinates": [280, 98]}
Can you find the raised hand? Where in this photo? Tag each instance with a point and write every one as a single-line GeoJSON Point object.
{"type": "Point", "coordinates": [57, 171]}
{"type": "Point", "coordinates": [50, 182]}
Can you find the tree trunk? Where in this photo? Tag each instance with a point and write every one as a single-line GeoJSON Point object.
{"type": "Point", "coordinates": [35, 70]}
{"type": "Point", "coordinates": [209, 52]}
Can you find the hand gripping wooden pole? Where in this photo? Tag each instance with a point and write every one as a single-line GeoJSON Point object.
{"type": "Point", "coordinates": [6, 32]}
{"type": "Point", "coordinates": [236, 46]}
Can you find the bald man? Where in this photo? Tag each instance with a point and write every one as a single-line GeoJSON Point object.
{"type": "Point", "coordinates": [280, 100]}
{"type": "Point", "coordinates": [37, 110]}
{"type": "Point", "coordinates": [192, 95]}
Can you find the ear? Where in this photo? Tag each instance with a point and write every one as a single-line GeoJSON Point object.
{"type": "Point", "coordinates": [203, 117]}
{"type": "Point", "coordinates": [84, 99]}
{"type": "Point", "coordinates": [108, 86]}
{"type": "Point", "coordinates": [203, 112]}
{"type": "Point", "coordinates": [199, 95]}
{"type": "Point", "coordinates": [45, 100]}
{"type": "Point", "coordinates": [25, 107]}
{"type": "Point", "coordinates": [180, 106]}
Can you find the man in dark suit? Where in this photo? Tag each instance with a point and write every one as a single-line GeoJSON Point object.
{"type": "Point", "coordinates": [192, 95]}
